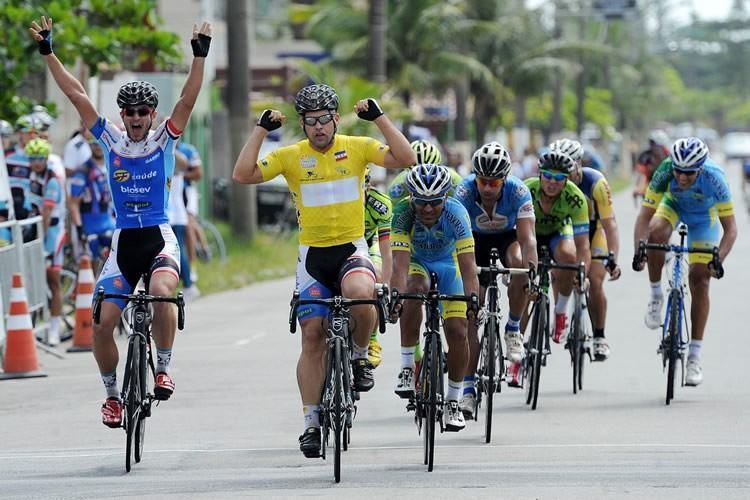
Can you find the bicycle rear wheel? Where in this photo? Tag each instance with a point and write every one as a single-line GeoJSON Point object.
{"type": "Point", "coordinates": [337, 412]}
{"type": "Point", "coordinates": [216, 248]}
{"type": "Point", "coordinates": [673, 343]}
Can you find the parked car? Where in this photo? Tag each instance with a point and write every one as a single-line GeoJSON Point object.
{"type": "Point", "coordinates": [736, 145]}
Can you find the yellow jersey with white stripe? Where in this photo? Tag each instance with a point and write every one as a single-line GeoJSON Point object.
{"type": "Point", "coordinates": [328, 187]}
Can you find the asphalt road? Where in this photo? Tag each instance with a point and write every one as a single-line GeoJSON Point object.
{"type": "Point", "coordinates": [231, 429]}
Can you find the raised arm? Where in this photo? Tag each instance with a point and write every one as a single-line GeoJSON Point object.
{"type": "Point", "coordinates": [400, 155]}
{"type": "Point", "coordinates": [246, 170]}
{"type": "Point", "coordinates": [200, 42]}
{"type": "Point", "coordinates": [67, 83]}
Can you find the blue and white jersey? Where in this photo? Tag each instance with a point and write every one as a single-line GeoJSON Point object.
{"type": "Point", "coordinates": [514, 203]}
{"type": "Point", "coordinates": [139, 173]}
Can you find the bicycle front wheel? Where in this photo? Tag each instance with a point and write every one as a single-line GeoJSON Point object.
{"type": "Point", "coordinates": [436, 373]}
{"type": "Point", "coordinates": [216, 248]}
{"type": "Point", "coordinates": [539, 327]}
{"type": "Point", "coordinates": [673, 343]}
{"type": "Point", "coordinates": [140, 426]}
{"type": "Point", "coordinates": [488, 381]}
{"type": "Point", "coordinates": [132, 398]}
{"type": "Point", "coordinates": [337, 412]}
{"type": "Point", "coordinates": [575, 347]}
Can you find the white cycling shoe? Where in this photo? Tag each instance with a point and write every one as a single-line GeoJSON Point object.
{"type": "Point", "coordinates": [653, 313]}
{"type": "Point", "coordinates": [514, 346]}
{"type": "Point", "coordinates": [693, 372]}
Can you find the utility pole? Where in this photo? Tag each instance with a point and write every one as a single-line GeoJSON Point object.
{"type": "Point", "coordinates": [378, 23]}
{"type": "Point", "coordinates": [557, 89]}
{"type": "Point", "coordinates": [243, 209]}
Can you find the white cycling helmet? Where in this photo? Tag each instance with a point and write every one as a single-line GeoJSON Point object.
{"type": "Point", "coordinates": [426, 152]}
{"type": "Point", "coordinates": [570, 147]}
{"type": "Point", "coordinates": [491, 160]}
{"type": "Point", "coordinates": [428, 181]}
{"type": "Point", "coordinates": [557, 161]}
{"type": "Point", "coordinates": [688, 153]}
{"type": "Point", "coordinates": [659, 137]}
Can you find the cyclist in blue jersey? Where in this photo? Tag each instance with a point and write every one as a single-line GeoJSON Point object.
{"type": "Point", "coordinates": [432, 233]}
{"type": "Point", "coordinates": [139, 170]}
{"type": "Point", "coordinates": [502, 217]}
{"type": "Point", "coordinates": [91, 211]}
{"type": "Point", "coordinates": [689, 187]}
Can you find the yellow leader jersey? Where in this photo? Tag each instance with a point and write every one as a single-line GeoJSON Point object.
{"type": "Point", "coordinates": [327, 188]}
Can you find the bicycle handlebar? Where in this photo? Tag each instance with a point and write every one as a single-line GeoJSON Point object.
{"type": "Point", "coordinates": [141, 298]}
{"type": "Point", "coordinates": [339, 301]}
{"type": "Point", "coordinates": [643, 245]}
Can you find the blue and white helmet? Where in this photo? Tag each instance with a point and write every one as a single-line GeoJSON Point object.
{"type": "Point", "coordinates": [688, 153]}
{"type": "Point", "coordinates": [428, 181]}
{"type": "Point", "coordinates": [570, 147]}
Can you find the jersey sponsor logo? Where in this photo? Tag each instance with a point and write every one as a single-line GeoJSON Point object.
{"type": "Point", "coordinates": [116, 161]}
{"type": "Point", "coordinates": [154, 157]}
{"type": "Point", "coordinates": [121, 175]}
{"type": "Point", "coordinates": [497, 222]}
{"type": "Point", "coordinates": [377, 205]}
{"type": "Point", "coordinates": [401, 244]}
{"type": "Point", "coordinates": [397, 191]}
{"type": "Point", "coordinates": [340, 155]}
{"type": "Point", "coordinates": [315, 291]}
{"type": "Point", "coordinates": [343, 171]}
{"type": "Point", "coordinates": [135, 190]}
{"type": "Point", "coordinates": [117, 282]}
{"type": "Point", "coordinates": [264, 162]}
{"type": "Point", "coordinates": [137, 204]}
{"type": "Point", "coordinates": [527, 208]}
{"type": "Point", "coordinates": [308, 162]}
{"type": "Point", "coordinates": [574, 200]}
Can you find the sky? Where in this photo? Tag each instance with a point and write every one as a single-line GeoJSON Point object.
{"type": "Point", "coordinates": [706, 9]}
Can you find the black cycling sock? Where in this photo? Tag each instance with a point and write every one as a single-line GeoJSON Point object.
{"type": "Point", "coordinates": [598, 333]}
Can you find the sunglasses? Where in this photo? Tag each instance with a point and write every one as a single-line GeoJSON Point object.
{"type": "Point", "coordinates": [554, 176]}
{"type": "Point", "coordinates": [433, 203]}
{"type": "Point", "coordinates": [312, 120]}
{"type": "Point", "coordinates": [141, 111]}
{"type": "Point", "coordinates": [686, 173]}
{"type": "Point", "coordinates": [489, 182]}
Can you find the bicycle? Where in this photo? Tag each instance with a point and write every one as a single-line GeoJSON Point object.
{"type": "Point", "coordinates": [674, 340]}
{"type": "Point", "coordinates": [209, 244]}
{"type": "Point", "coordinates": [429, 397]}
{"type": "Point", "coordinates": [337, 408]}
{"type": "Point", "coordinates": [579, 336]}
{"type": "Point", "coordinates": [538, 347]}
{"type": "Point", "coordinates": [491, 366]}
{"type": "Point", "coordinates": [139, 366]}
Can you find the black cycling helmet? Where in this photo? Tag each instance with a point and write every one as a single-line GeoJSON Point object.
{"type": "Point", "coordinates": [315, 98]}
{"type": "Point", "coordinates": [557, 161]}
{"type": "Point", "coordinates": [137, 94]}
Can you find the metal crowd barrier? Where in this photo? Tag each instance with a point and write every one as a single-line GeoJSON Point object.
{"type": "Point", "coordinates": [28, 259]}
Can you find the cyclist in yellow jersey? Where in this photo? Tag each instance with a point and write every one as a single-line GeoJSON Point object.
{"type": "Point", "coordinates": [325, 174]}
{"type": "Point", "coordinates": [603, 238]}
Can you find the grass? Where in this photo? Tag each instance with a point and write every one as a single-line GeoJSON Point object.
{"type": "Point", "coordinates": [267, 256]}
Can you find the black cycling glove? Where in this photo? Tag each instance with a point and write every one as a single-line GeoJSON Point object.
{"type": "Point", "coordinates": [266, 122]}
{"type": "Point", "coordinates": [373, 111]}
{"type": "Point", "coordinates": [200, 45]}
{"type": "Point", "coordinates": [45, 45]}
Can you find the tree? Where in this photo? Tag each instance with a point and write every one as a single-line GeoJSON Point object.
{"type": "Point", "coordinates": [106, 35]}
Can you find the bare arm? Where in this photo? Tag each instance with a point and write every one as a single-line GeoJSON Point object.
{"type": "Point", "coordinates": [67, 83]}
{"type": "Point", "coordinates": [583, 250]}
{"type": "Point", "coordinates": [75, 210]}
{"type": "Point", "coordinates": [640, 231]}
{"type": "Point", "coordinates": [46, 216]}
{"type": "Point", "coordinates": [400, 269]}
{"type": "Point", "coordinates": [194, 173]}
{"type": "Point", "coordinates": [613, 235]}
{"type": "Point", "coordinates": [729, 224]}
{"type": "Point", "coordinates": [192, 87]}
{"type": "Point", "coordinates": [387, 255]}
{"type": "Point", "coordinates": [400, 155]}
{"type": "Point", "coordinates": [468, 266]}
{"type": "Point", "coordinates": [526, 236]}
{"type": "Point", "coordinates": [246, 169]}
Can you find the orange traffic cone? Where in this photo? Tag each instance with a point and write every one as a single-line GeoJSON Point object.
{"type": "Point", "coordinates": [83, 333]}
{"type": "Point", "coordinates": [20, 359]}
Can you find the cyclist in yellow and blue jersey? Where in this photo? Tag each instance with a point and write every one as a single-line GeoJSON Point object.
{"type": "Point", "coordinates": [432, 233]}
{"type": "Point", "coordinates": [689, 187]}
{"type": "Point", "coordinates": [603, 237]}
{"type": "Point", "coordinates": [325, 174]}
{"type": "Point", "coordinates": [378, 214]}
{"type": "Point", "coordinates": [426, 152]}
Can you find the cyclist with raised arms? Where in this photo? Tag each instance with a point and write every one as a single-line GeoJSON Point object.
{"type": "Point", "coordinates": [139, 169]}
{"type": "Point", "coordinates": [325, 173]}
{"type": "Point", "coordinates": [502, 217]}
{"type": "Point", "coordinates": [432, 233]}
{"type": "Point", "coordinates": [562, 225]}
{"type": "Point", "coordinates": [603, 237]}
{"type": "Point", "coordinates": [378, 214]}
{"type": "Point", "coordinates": [689, 187]}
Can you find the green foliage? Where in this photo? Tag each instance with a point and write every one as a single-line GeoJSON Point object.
{"type": "Point", "coordinates": [113, 35]}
